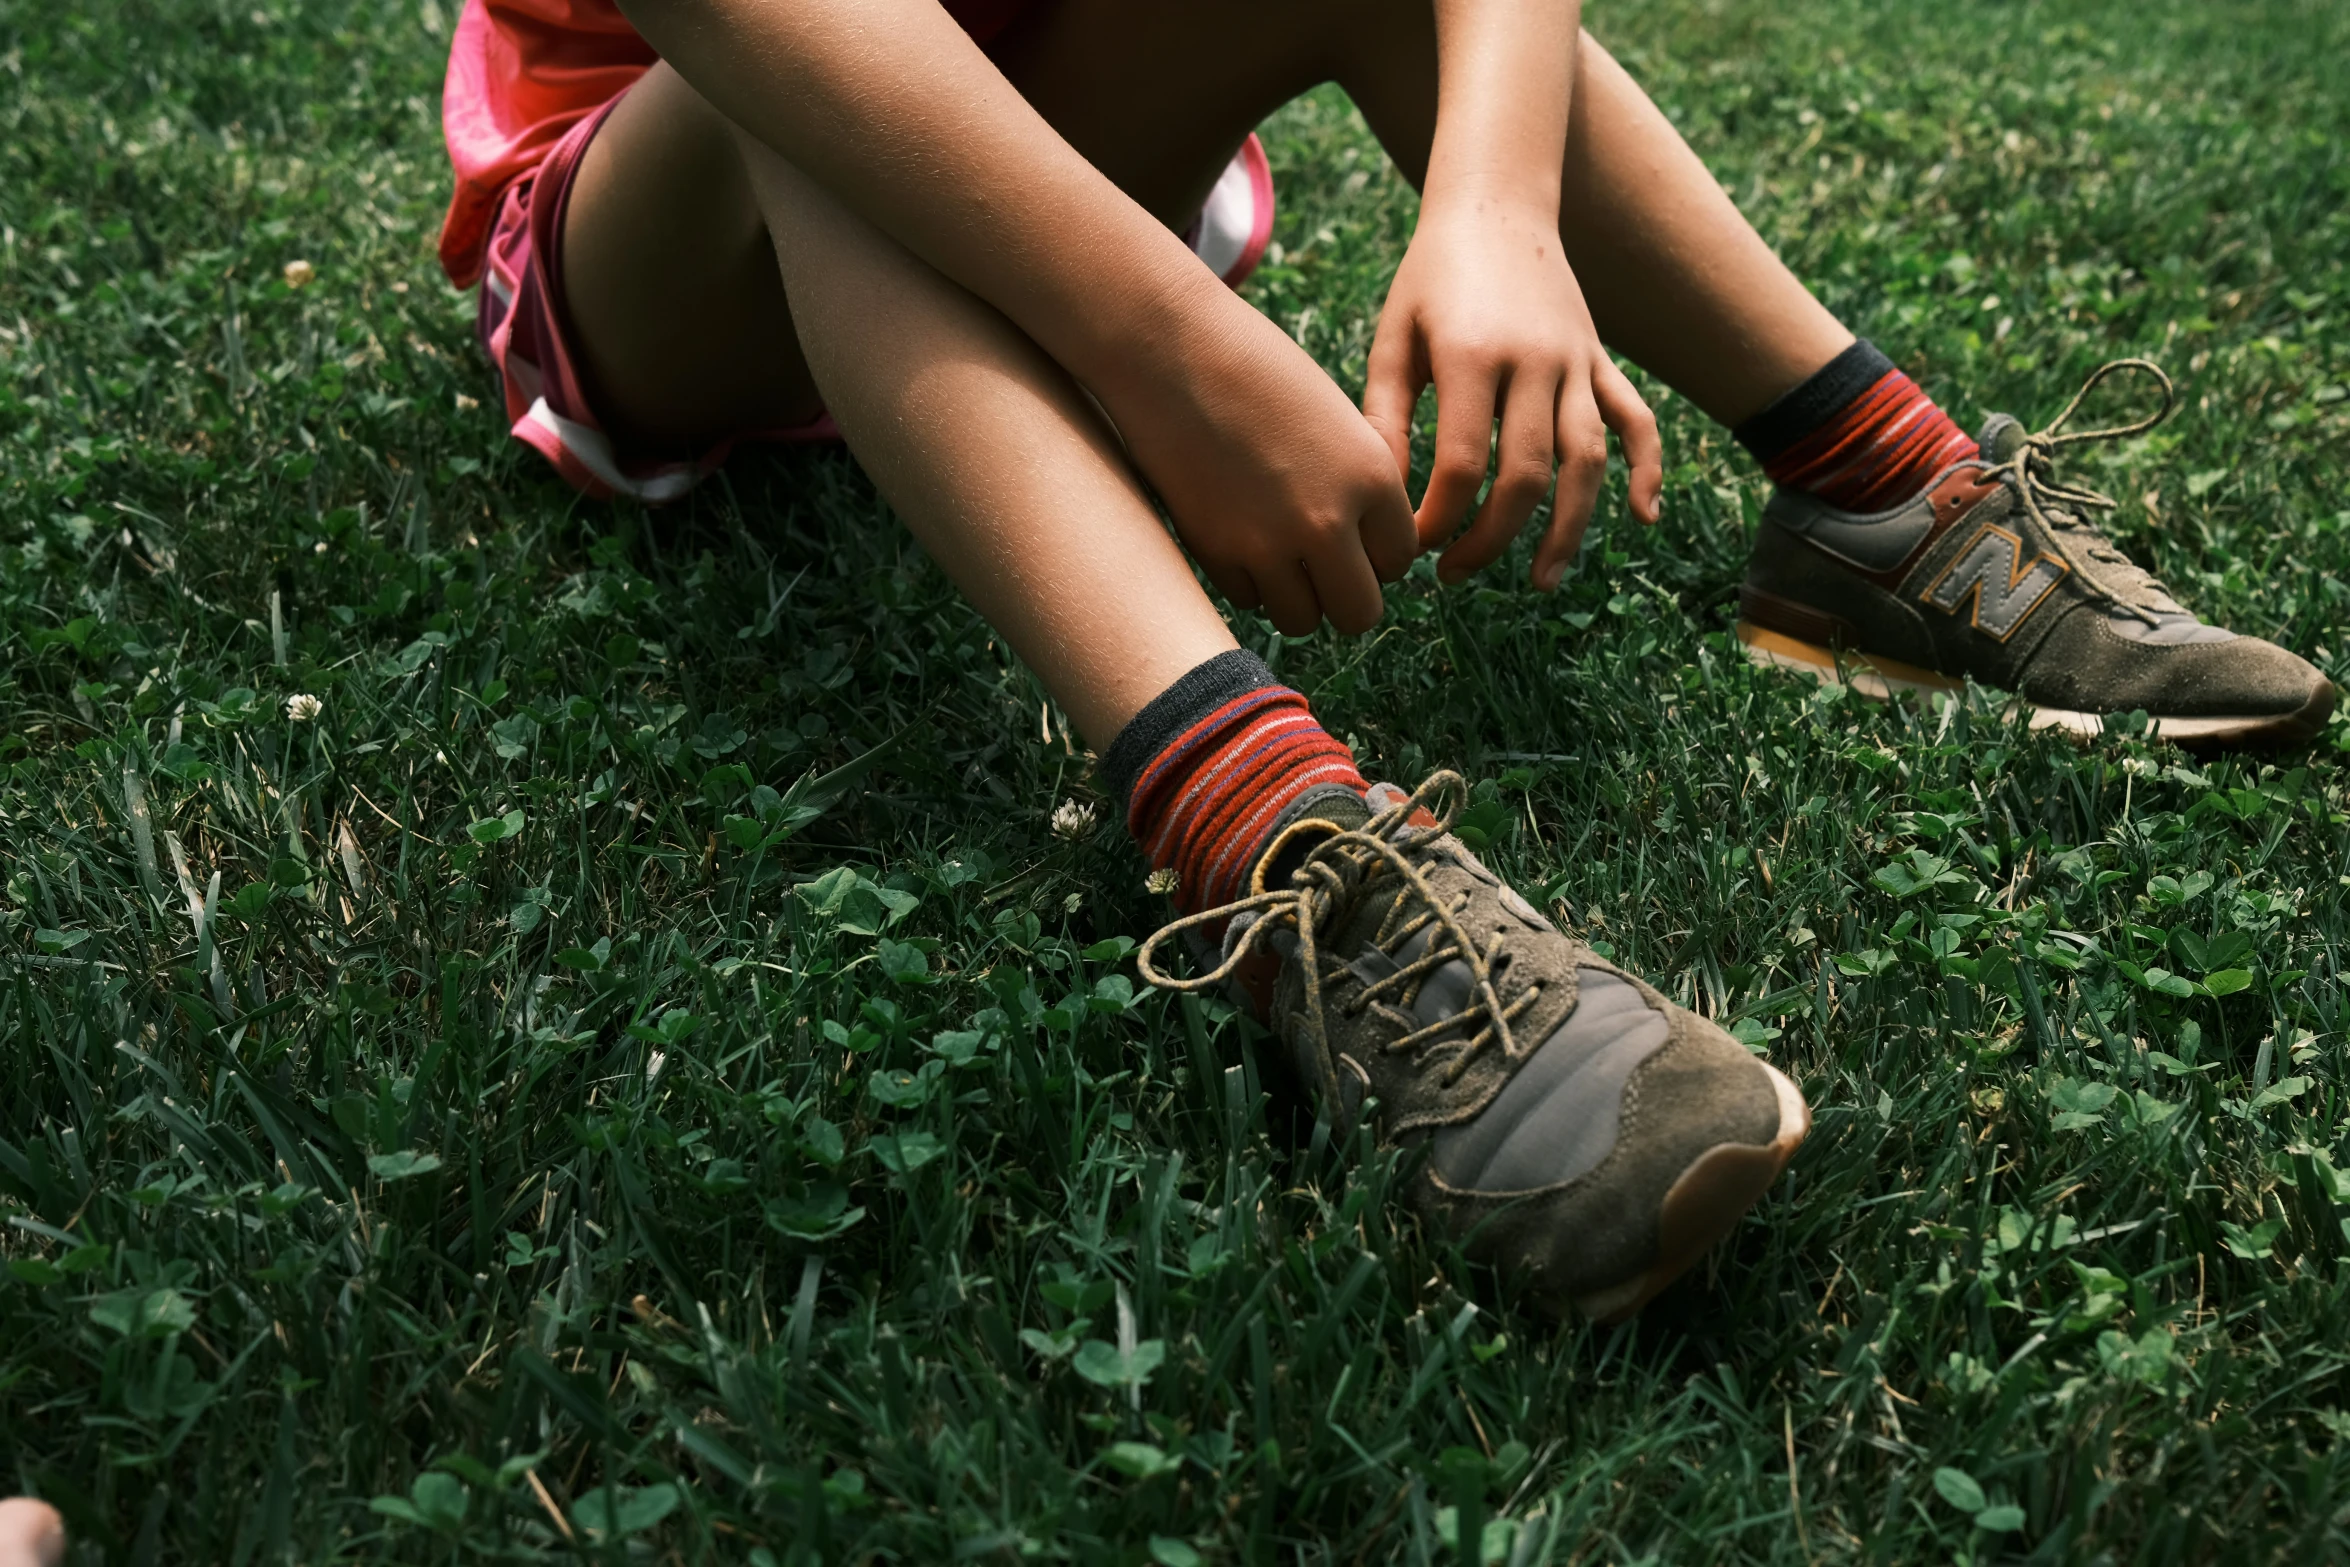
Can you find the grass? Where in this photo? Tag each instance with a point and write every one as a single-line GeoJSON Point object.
{"type": "Point", "coordinates": [579, 1121]}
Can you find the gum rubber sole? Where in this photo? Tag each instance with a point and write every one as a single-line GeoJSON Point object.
{"type": "Point", "coordinates": [1706, 1203]}
{"type": "Point", "coordinates": [1878, 678]}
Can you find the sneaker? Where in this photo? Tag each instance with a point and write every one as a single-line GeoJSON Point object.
{"type": "Point", "coordinates": [1999, 574]}
{"type": "Point", "coordinates": [1584, 1135]}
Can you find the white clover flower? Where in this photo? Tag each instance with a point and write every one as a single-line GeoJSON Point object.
{"type": "Point", "coordinates": [1163, 880]}
{"type": "Point", "coordinates": [300, 274]}
{"type": "Point", "coordinates": [653, 1065]}
{"type": "Point", "coordinates": [302, 707]}
{"type": "Point", "coordinates": [1072, 819]}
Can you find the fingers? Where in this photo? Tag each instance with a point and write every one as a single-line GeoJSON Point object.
{"type": "Point", "coordinates": [1295, 596]}
{"type": "Point", "coordinates": [1339, 578]}
{"type": "Point", "coordinates": [1290, 601]}
{"type": "Point", "coordinates": [30, 1534]}
{"type": "Point", "coordinates": [1627, 413]}
{"type": "Point", "coordinates": [1582, 448]}
{"type": "Point", "coordinates": [1387, 532]}
{"type": "Point", "coordinates": [1392, 382]}
{"type": "Point", "coordinates": [1345, 585]}
{"type": "Point", "coordinates": [1521, 475]}
{"type": "Point", "coordinates": [1235, 583]}
{"type": "Point", "coordinates": [1464, 440]}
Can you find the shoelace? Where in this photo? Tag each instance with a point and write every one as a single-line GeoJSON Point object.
{"type": "Point", "coordinates": [2030, 473]}
{"type": "Point", "coordinates": [1324, 887]}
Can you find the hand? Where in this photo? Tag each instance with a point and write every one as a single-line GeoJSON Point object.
{"type": "Point", "coordinates": [1279, 488]}
{"type": "Point", "coordinates": [1488, 308]}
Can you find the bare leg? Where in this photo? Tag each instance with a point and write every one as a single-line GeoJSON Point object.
{"type": "Point", "coordinates": [1678, 281]}
{"type": "Point", "coordinates": [680, 321]}
{"type": "Point", "coordinates": [996, 460]}
{"type": "Point", "coordinates": [998, 463]}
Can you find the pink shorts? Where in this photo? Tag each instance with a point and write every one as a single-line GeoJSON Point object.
{"type": "Point", "coordinates": [522, 324]}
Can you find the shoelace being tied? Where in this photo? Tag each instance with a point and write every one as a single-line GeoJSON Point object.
{"type": "Point", "coordinates": [1335, 873]}
{"type": "Point", "coordinates": [2030, 473]}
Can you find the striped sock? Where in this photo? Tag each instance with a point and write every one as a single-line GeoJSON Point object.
{"type": "Point", "coordinates": [1858, 434]}
{"type": "Point", "coordinates": [1209, 766]}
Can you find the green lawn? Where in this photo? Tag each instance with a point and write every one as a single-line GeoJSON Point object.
{"type": "Point", "coordinates": [587, 1124]}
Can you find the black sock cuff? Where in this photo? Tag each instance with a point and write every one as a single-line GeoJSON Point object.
{"type": "Point", "coordinates": [1194, 695]}
{"type": "Point", "coordinates": [1827, 392]}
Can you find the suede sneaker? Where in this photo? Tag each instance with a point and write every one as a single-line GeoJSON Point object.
{"type": "Point", "coordinates": [1999, 574]}
{"type": "Point", "coordinates": [1584, 1135]}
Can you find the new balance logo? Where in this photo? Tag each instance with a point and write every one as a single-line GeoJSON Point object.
{"type": "Point", "coordinates": [1991, 570]}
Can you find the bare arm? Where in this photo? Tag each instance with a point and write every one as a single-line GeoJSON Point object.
{"type": "Point", "coordinates": [889, 104]}
{"type": "Point", "coordinates": [1275, 482]}
{"type": "Point", "coordinates": [1486, 307]}
{"type": "Point", "coordinates": [1505, 70]}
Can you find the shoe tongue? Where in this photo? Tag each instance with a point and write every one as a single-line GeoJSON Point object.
{"type": "Point", "coordinates": [1335, 804]}
{"type": "Point", "coordinates": [2003, 436]}
{"type": "Point", "coordinates": [1332, 803]}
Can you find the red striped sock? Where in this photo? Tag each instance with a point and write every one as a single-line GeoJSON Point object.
{"type": "Point", "coordinates": [1213, 762]}
{"type": "Point", "coordinates": [1857, 433]}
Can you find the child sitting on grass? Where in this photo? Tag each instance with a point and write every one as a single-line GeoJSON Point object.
{"type": "Point", "coordinates": [968, 240]}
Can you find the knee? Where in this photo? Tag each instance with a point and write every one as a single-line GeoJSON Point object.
{"type": "Point", "coordinates": [680, 143]}
{"type": "Point", "coordinates": [697, 124]}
